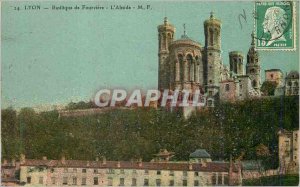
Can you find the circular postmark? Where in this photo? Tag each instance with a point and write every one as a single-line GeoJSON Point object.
{"type": "Point", "coordinates": [273, 20]}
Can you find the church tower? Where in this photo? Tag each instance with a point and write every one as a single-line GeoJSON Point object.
{"type": "Point", "coordinates": [212, 55]}
{"type": "Point", "coordinates": [236, 59]}
{"type": "Point", "coordinates": [165, 37]}
{"type": "Point", "coordinates": [253, 66]}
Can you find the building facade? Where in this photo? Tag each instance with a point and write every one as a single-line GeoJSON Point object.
{"type": "Point", "coordinates": [274, 75]}
{"type": "Point", "coordinates": [185, 64]}
{"type": "Point", "coordinates": [162, 172]}
{"type": "Point", "coordinates": [288, 144]}
{"type": "Point", "coordinates": [292, 83]}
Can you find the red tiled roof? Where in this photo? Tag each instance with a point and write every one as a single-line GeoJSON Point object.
{"type": "Point", "coordinates": [208, 167]}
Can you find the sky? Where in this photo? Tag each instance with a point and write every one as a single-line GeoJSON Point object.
{"type": "Point", "coordinates": [53, 57]}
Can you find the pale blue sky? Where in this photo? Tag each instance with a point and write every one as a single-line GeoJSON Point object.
{"type": "Point", "coordinates": [54, 57]}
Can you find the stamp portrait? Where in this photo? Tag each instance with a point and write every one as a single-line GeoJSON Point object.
{"type": "Point", "coordinates": [275, 25]}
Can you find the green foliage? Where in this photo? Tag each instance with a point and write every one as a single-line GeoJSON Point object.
{"type": "Point", "coordinates": [81, 105]}
{"type": "Point", "coordinates": [228, 129]}
{"type": "Point", "coordinates": [268, 88]}
{"type": "Point", "coordinates": [285, 180]}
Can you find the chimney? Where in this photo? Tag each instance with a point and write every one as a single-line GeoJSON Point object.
{"type": "Point", "coordinates": [118, 164]}
{"type": "Point", "coordinates": [44, 158]}
{"type": "Point", "coordinates": [140, 162]}
{"type": "Point", "coordinates": [13, 162]}
{"type": "Point", "coordinates": [190, 166]}
{"type": "Point", "coordinates": [202, 162]}
{"type": "Point", "coordinates": [22, 159]}
{"type": "Point", "coordinates": [63, 159]}
{"type": "Point", "coordinates": [104, 160]}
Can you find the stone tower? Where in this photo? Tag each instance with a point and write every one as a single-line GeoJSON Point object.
{"type": "Point", "coordinates": [212, 31]}
{"type": "Point", "coordinates": [165, 37]}
{"type": "Point", "coordinates": [253, 66]}
{"type": "Point", "coordinates": [236, 63]}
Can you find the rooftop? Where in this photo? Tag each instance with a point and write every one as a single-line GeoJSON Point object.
{"type": "Point", "coordinates": [293, 75]}
{"type": "Point", "coordinates": [180, 166]}
{"type": "Point", "coordinates": [200, 153]}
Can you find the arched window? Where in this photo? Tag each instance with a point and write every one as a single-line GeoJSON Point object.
{"type": "Point", "coordinates": [211, 36]}
{"type": "Point", "coordinates": [169, 37]}
{"type": "Point", "coordinates": [181, 69]}
{"type": "Point", "coordinates": [164, 37]}
{"type": "Point", "coordinates": [254, 83]}
{"type": "Point", "coordinates": [190, 67]}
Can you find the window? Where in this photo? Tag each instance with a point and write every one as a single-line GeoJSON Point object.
{"type": "Point", "coordinates": [210, 93]}
{"type": "Point", "coordinates": [28, 180]}
{"type": "Point", "coordinates": [158, 172]}
{"type": "Point", "coordinates": [52, 170]}
{"type": "Point", "coordinates": [211, 34]}
{"type": "Point", "coordinates": [189, 59]}
{"type": "Point", "coordinates": [146, 172]}
{"type": "Point", "coordinates": [121, 181]}
{"type": "Point", "coordinates": [95, 171]}
{"type": "Point", "coordinates": [65, 170]}
{"type": "Point", "coordinates": [219, 179]}
{"type": "Point", "coordinates": [74, 181]}
{"type": "Point", "coordinates": [65, 180]}
{"type": "Point", "coordinates": [146, 182]}
{"type": "Point", "coordinates": [110, 171]}
{"type": "Point", "coordinates": [196, 183]}
{"type": "Point", "coordinates": [225, 179]}
{"type": "Point", "coordinates": [181, 66]}
{"type": "Point", "coordinates": [158, 182]}
{"type": "Point", "coordinates": [109, 181]}
{"type": "Point", "coordinates": [254, 83]}
{"type": "Point", "coordinates": [241, 86]}
{"type": "Point", "coordinates": [184, 182]}
{"type": "Point", "coordinates": [271, 76]}
{"type": "Point", "coordinates": [95, 180]}
{"type": "Point", "coordinates": [122, 171]}
{"type": "Point", "coordinates": [184, 173]}
{"type": "Point", "coordinates": [196, 174]}
{"type": "Point", "coordinates": [74, 170]}
{"type": "Point", "coordinates": [40, 180]}
{"type": "Point", "coordinates": [133, 182]}
{"type": "Point", "coordinates": [171, 183]}
{"type": "Point", "coordinates": [83, 181]}
{"type": "Point", "coordinates": [214, 179]}
{"type": "Point", "coordinates": [171, 173]}
{"type": "Point", "coordinates": [227, 87]}
{"type": "Point", "coordinates": [83, 170]}
{"type": "Point", "coordinates": [53, 180]}
{"type": "Point", "coordinates": [134, 171]}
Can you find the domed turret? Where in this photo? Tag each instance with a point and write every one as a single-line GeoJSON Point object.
{"type": "Point", "coordinates": [253, 65]}
{"type": "Point", "coordinates": [212, 27]}
{"type": "Point", "coordinates": [165, 37]}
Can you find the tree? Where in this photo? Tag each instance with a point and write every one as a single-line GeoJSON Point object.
{"type": "Point", "coordinates": [268, 88]}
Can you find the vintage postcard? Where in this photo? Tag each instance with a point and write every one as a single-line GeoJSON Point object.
{"type": "Point", "coordinates": [149, 93]}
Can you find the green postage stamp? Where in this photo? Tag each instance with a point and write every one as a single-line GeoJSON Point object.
{"type": "Point", "coordinates": [275, 25]}
{"type": "Point", "coordinates": [149, 93]}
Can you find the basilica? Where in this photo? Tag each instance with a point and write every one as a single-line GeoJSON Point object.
{"type": "Point", "coordinates": [186, 64]}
